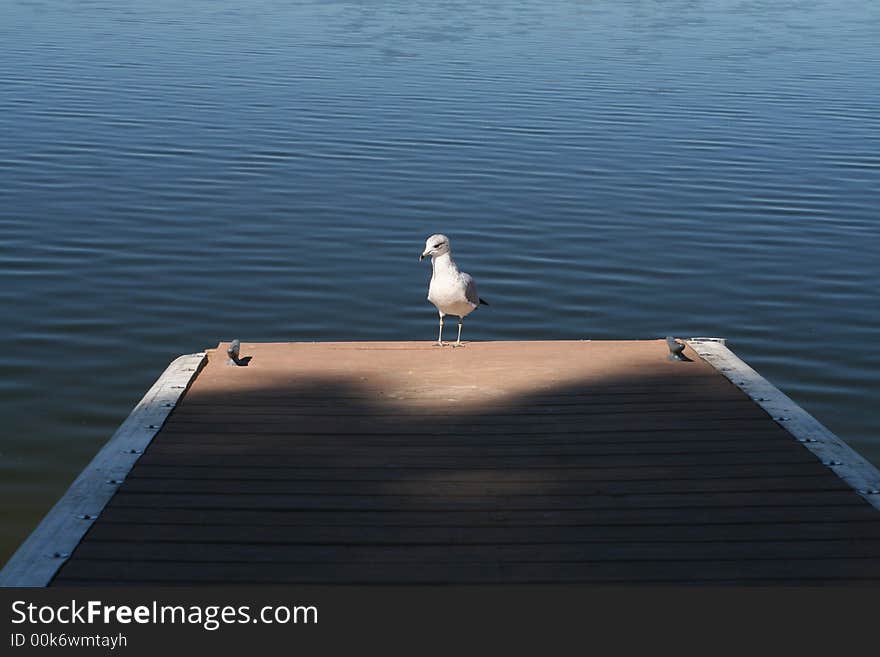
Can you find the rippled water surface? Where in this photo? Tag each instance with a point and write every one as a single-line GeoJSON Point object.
{"type": "Point", "coordinates": [174, 173]}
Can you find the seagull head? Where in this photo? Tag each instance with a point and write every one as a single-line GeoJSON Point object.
{"type": "Point", "coordinates": [436, 245]}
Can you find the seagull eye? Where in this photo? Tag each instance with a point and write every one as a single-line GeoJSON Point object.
{"type": "Point", "coordinates": [437, 246]}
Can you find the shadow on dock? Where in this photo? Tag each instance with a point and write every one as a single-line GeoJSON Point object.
{"type": "Point", "coordinates": [665, 474]}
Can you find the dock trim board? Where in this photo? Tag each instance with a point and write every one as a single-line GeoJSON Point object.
{"type": "Point", "coordinates": [40, 557]}
{"type": "Point", "coordinates": [832, 451]}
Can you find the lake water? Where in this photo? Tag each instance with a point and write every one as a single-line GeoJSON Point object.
{"type": "Point", "coordinates": [177, 172]}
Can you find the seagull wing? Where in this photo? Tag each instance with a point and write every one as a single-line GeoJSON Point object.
{"type": "Point", "coordinates": [470, 290]}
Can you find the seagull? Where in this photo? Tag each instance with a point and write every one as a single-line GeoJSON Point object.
{"type": "Point", "coordinates": [452, 291]}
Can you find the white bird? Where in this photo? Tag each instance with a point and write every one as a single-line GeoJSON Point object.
{"type": "Point", "coordinates": [452, 291]}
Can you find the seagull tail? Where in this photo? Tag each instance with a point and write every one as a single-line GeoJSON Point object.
{"type": "Point", "coordinates": [483, 302]}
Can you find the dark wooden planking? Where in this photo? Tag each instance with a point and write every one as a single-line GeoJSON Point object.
{"type": "Point", "coordinates": [500, 478]}
{"type": "Point", "coordinates": [567, 464]}
{"type": "Point", "coordinates": [595, 494]}
{"type": "Point", "coordinates": [327, 448]}
{"type": "Point", "coordinates": [263, 524]}
{"type": "Point", "coordinates": [604, 525]}
{"type": "Point", "coordinates": [512, 527]}
{"type": "Point", "coordinates": [724, 408]}
{"type": "Point", "coordinates": [610, 405]}
{"type": "Point", "coordinates": [549, 503]}
{"type": "Point", "coordinates": [799, 570]}
{"type": "Point", "coordinates": [322, 390]}
{"type": "Point", "coordinates": [278, 388]}
{"type": "Point", "coordinates": [288, 465]}
{"type": "Point", "coordinates": [812, 582]}
{"type": "Point", "coordinates": [768, 450]}
{"type": "Point", "coordinates": [334, 426]}
{"type": "Point", "coordinates": [707, 418]}
{"type": "Point", "coordinates": [149, 551]}
{"type": "Point", "coordinates": [699, 387]}
{"type": "Point", "coordinates": [474, 459]}
{"type": "Point", "coordinates": [582, 436]}
{"type": "Point", "coordinates": [687, 398]}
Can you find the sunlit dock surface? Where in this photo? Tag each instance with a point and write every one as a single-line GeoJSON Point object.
{"type": "Point", "coordinates": [500, 462]}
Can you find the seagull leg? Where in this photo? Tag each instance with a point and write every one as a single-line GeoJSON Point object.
{"type": "Point", "coordinates": [458, 342]}
{"type": "Point", "coordinates": [439, 342]}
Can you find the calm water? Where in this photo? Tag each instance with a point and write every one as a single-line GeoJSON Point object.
{"type": "Point", "coordinates": [178, 172]}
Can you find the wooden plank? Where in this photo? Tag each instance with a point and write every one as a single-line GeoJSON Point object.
{"type": "Point", "coordinates": [425, 504]}
{"type": "Point", "coordinates": [234, 477]}
{"type": "Point", "coordinates": [191, 434]}
{"type": "Point", "coordinates": [289, 465]}
{"type": "Point", "coordinates": [599, 526]}
{"type": "Point", "coordinates": [418, 489]}
{"type": "Point", "coordinates": [417, 448]}
{"type": "Point", "coordinates": [388, 459]}
{"type": "Point", "coordinates": [39, 557]}
{"type": "Point", "coordinates": [705, 387]}
{"type": "Point", "coordinates": [149, 551]}
{"type": "Point", "coordinates": [466, 428]}
{"type": "Point", "coordinates": [542, 423]}
{"type": "Point", "coordinates": [477, 527]}
{"type": "Point", "coordinates": [213, 411]}
{"type": "Point", "coordinates": [844, 461]}
{"type": "Point", "coordinates": [262, 525]}
{"type": "Point", "coordinates": [797, 570]}
{"type": "Point", "coordinates": [582, 404]}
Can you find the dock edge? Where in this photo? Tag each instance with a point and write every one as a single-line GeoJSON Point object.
{"type": "Point", "coordinates": [47, 548]}
{"type": "Point", "coordinates": [832, 451]}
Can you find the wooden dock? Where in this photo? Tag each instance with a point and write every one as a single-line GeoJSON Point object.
{"type": "Point", "coordinates": [503, 462]}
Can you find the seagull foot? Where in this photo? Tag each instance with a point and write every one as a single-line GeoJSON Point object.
{"type": "Point", "coordinates": [458, 344]}
{"type": "Point", "coordinates": [439, 344]}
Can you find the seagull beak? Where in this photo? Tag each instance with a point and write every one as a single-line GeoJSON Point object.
{"type": "Point", "coordinates": [421, 257]}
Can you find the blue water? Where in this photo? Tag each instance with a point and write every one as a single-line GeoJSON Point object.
{"type": "Point", "coordinates": [177, 172]}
